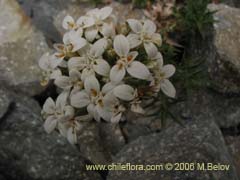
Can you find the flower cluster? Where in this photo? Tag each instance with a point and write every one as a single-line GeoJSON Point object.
{"type": "Point", "coordinates": [101, 72]}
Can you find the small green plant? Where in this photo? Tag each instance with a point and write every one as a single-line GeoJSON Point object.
{"type": "Point", "coordinates": [96, 2]}
{"type": "Point", "coordinates": [194, 16]}
{"type": "Point", "coordinates": [141, 3]}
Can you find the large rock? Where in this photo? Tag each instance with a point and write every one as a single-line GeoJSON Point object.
{"type": "Point", "coordinates": [224, 67]}
{"type": "Point", "coordinates": [28, 152]}
{"type": "Point", "coordinates": [207, 104]}
{"type": "Point", "coordinates": [21, 45]}
{"type": "Point", "coordinates": [233, 143]}
{"type": "Point", "coordinates": [100, 141]}
{"type": "Point", "coordinates": [199, 141]}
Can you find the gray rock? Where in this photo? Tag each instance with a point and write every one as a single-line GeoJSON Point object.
{"type": "Point", "coordinates": [28, 152]}
{"type": "Point", "coordinates": [4, 103]}
{"type": "Point", "coordinates": [224, 68]}
{"type": "Point", "coordinates": [233, 143]}
{"type": "Point", "coordinates": [2, 178]}
{"type": "Point", "coordinates": [112, 137]}
{"type": "Point", "coordinates": [233, 3]}
{"type": "Point", "coordinates": [91, 145]}
{"type": "Point", "coordinates": [199, 141]}
{"type": "Point", "coordinates": [21, 46]}
{"type": "Point", "coordinates": [42, 13]}
{"type": "Point", "coordinates": [100, 141]}
{"type": "Point", "coordinates": [222, 109]}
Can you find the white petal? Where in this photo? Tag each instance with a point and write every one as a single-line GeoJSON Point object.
{"type": "Point", "coordinates": [86, 73]}
{"type": "Point", "coordinates": [149, 27]}
{"type": "Point", "coordinates": [117, 73]}
{"type": "Point", "coordinates": [62, 100]}
{"type": "Point", "coordinates": [44, 62]}
{"type": "Point", "coordinates": [105, 12]}
{"type": "Point", "coordinates": [121, 45]}
{"type": "Point", "coordinates": [67, 21]}
{"type": "Point", "coordinates": [168, 88]}
{"type": "Point", "coordinates": [91, 85]}
{"type": "Point", "coordinates": [157, 39]}
{"type": "Point", "coordinates": [79, 99]}
{"type": "Point", "coordinates": [104, 113]}
{"type": "Point", "coordinates": [109, 100]}
{"type": "Point", "coordinates": [168, 70]}
{"type": "Point", "coordinates": [74, 74]}
{"type": "Point", "coordinates": [138, 70]}
{"type": "Point", "coordinates": [151, 50]}
{"type": "Point", "coordinates": [134, 40]}
{"type": "Point", "coordinates": [71, 136]}
{"type": "Point", "coordinates": [107, 30]}
{"type": "Point", "coordinates": [62, 127]}
{"type": "Point", "coordinates": [78, 44]}
{"type": "Point", "coordinates": [93, 112]}
{"type": "Point", "coordinates": [50, 124]}
{"type": "Point", "coordinates": [49, 106]}
{"type": "Point", "coordinates": [85, 21]}
{"type": "Point", "coordinates": [63, 82]}
{"type": "Point", "coordinates": [101, 67]}
{"type": "Point", "coordinates": [135, 25]}
{"type": "Point", "coordinates": [91, 33]}
{"type": "Point", "coordinates": [69, 112]}
{"type": "Point", "coordinates": [159, 59]}
{"type": "Point", "coordinates": [55, 60]}
{"type": "Point", "coordinates": [124, 92]}
{"type": "Point", "coordinates": [98, 48]}
{"type": "Point", "coordinates": [77, 41]}
{"type": "Point", "coordinates": [55, 74]}
{"type": "Point", "coordinates": [66, 38]}
{"type": "Point", "coordinates": [77, 63]}
{"type": "Point", "coordinates": [108, 87]}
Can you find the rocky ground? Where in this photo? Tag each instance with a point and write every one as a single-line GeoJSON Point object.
{"type": "Point", "coordinates": [210, 117]}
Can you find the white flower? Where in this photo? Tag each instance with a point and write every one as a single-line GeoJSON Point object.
{"type": "Point", "coordinates": [166, 86]}
{"type": "Point", "coordinates": [155, 55]}
{"type": "Point", "coordinates": [95, 20]}
{"type": "Point", "coordinates": [56, 112]}
{"type": "Point", "coordinates": [67, 82]}
{"type": "Point", "coordinates": [49, 66]}
{"type": "Point", "coordinates": [91, 60]}
{"type": "Point", "coordinates": [69, 23]}
{"type": "Point", "coordinates": [126, 62]}
{"type": "Point", "coordinates": [92, 98]}
{"type": "Point", "coordinates": [143, 33]}
{"type": "Point", "coordinates": [72, 127]}
{"type": "Point", "coordinates": [112, 105]}
{"type": "Point", "coordinates": [74, 40]}
{"type": "Point", "coordinates": [82, 22]}
{"type": "Point", "coordinates": [135, 104]}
